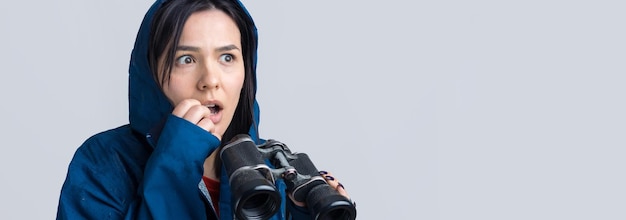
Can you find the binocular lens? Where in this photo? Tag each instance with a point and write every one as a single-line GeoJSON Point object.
{"type": "Point", "coordinates": [258, 199]}
{"type": "Point", "coordinates": [260, 205]}
{"type": "Point", "coordinates": [254, 196]}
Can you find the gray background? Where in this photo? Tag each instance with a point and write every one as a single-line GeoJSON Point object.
{"type": "Point", "coordinates": [424, 109]}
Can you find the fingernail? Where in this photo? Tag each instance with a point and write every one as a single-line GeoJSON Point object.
{"type": "Point", "coordinates": [331, 178]}
{"type": "Point", "coordinates": [340, 185]}
{"type": "Point", "coordinates": [323, 172]}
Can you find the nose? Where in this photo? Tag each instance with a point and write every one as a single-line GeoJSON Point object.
{"type": "Point", "coordinates": [209, 77]}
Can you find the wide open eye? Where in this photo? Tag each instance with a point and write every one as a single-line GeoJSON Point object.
{"type": "Point", "coordinates": [184, 59]}
{"type": "Point", "coordinates": [227, 58]}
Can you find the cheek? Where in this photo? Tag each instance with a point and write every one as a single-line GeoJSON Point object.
{"type": "Point", "coordinates": [233, 91]}
{"type": "Point", "coordinates": [235, 84]}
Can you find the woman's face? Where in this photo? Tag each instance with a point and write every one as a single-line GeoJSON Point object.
{"type": "Point", "coordinates": [208, 66]}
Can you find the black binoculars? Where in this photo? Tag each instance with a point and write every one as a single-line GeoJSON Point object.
{"type": "Point", "coordinates": [254, 194]}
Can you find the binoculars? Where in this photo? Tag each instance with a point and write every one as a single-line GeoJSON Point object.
{"type": "Point", "coordinates": [254, 194]}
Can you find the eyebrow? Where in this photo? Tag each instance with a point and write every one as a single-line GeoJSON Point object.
{"type": "Point", "coordinates": [187, 48]}
{"type": "Point", "coordinates": [227, 48]}
{"type": "Point", "coordinates": [197, 49]}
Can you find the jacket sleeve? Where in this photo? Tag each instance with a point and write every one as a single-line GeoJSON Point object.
{"type": "Point", "coordinates": [169, 189]}
{"type": "Point", "coordinates": [95, 187]}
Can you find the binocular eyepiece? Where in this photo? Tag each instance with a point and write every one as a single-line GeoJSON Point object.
{"type": "Point", "coordinates": [254, 195]}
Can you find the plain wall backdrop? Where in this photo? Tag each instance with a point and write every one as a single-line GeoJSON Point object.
{"type": "Point", "coordinates": [423, 109]}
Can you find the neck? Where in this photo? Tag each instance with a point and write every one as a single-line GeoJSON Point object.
{"type": "Point", "coordinates": [209, 167]}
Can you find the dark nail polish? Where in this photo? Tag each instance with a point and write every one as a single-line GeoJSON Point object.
{"type": "Point", "coordinates": [340, 185]}
{"type": "Point", "coordinates": [331, 178]}
{"type": "Point", "coordinates": [323, 172]}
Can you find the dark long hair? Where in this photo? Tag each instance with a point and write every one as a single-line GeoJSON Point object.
{"type": "Point", "coordinates": [167, 27]}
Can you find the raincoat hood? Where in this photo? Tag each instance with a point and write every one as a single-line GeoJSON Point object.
{"type": "Point", "coordinates": [148, 105]}
{"type": "Point", "coordinates": [146, 101]}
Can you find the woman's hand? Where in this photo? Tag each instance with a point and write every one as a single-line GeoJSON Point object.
{"type": "Point", "coordinates": [334, 183]}
{"type": "Point", "coordinates": [193, 111]}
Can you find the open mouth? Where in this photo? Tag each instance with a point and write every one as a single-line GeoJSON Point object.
{"type": "Point", "coordinates": [214, 108]}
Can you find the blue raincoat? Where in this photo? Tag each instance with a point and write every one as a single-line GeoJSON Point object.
{"type": "Point", "coordinates": [152, 167]}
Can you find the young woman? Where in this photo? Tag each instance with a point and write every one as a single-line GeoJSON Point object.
{"type": "Point", "coordinates": [192, 87]}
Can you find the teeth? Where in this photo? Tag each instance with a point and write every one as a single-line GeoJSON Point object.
{"type": "Point", "coordinates": [214, 109]}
